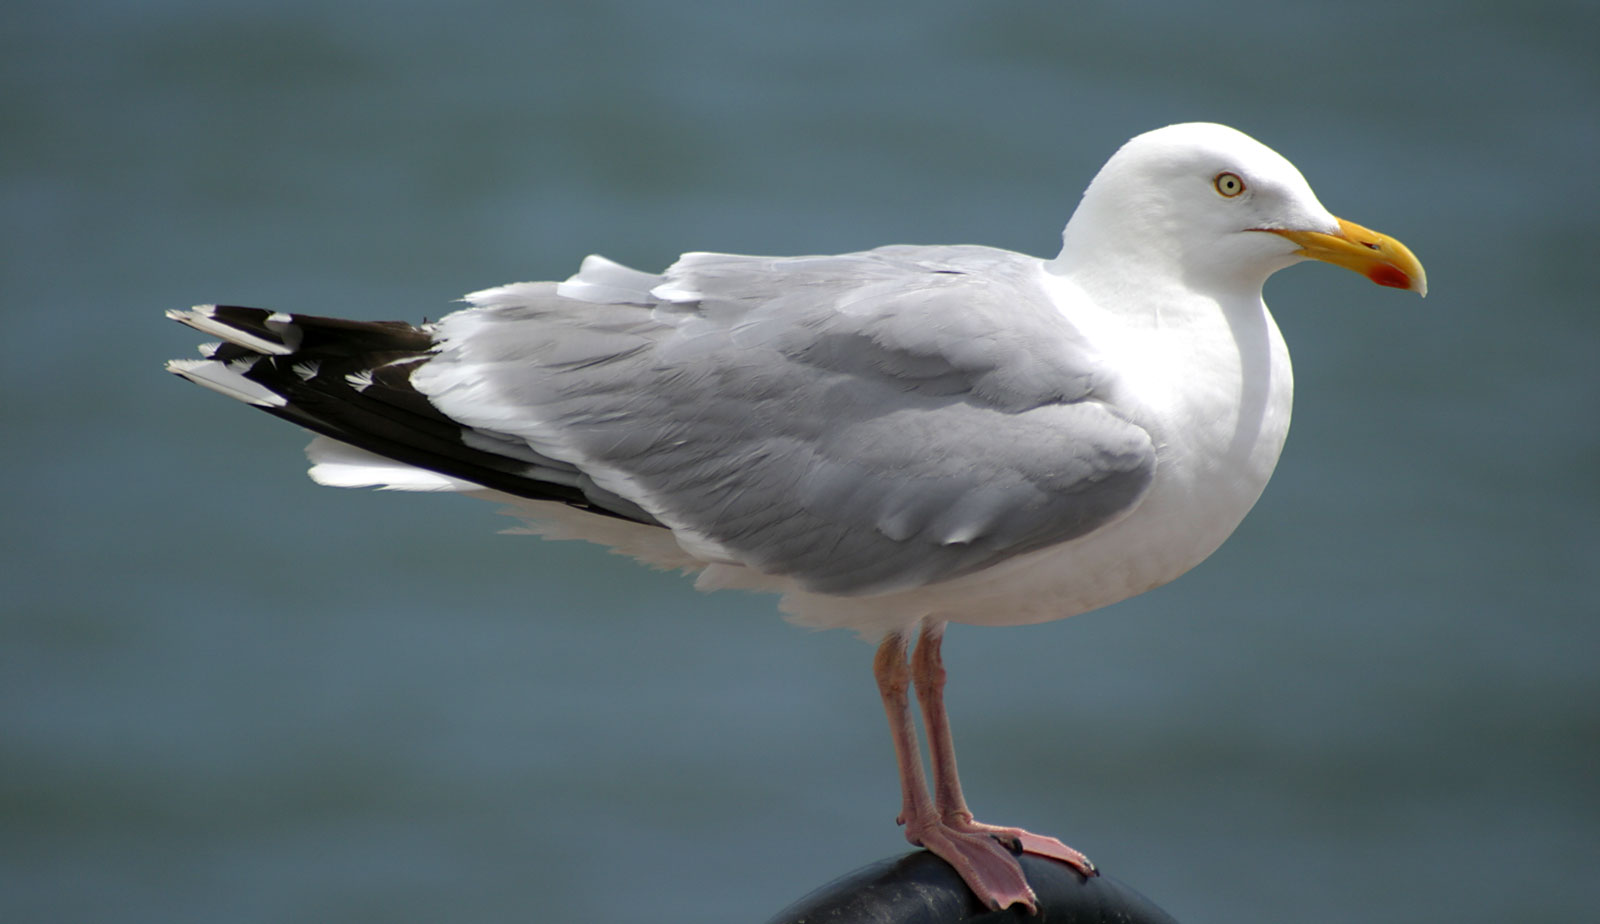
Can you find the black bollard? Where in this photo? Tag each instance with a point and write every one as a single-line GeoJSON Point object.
{"type": "Point", "coordinates": [920, 888]}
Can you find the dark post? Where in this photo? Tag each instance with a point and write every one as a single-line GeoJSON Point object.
{"type": "Point", "coordinates": [920, 888]}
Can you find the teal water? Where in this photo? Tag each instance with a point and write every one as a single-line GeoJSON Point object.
{"type": "Point", "coordinates": [227, 694]}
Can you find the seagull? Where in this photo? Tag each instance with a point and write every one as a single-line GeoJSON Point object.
{"type": "Point", "coordinates": [893, 440]}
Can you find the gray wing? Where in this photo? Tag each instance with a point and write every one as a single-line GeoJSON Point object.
{"type": "Point", "coordinates": [862, 423]}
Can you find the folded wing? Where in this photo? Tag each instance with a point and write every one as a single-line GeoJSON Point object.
{"type": "Point", "coordinates": [862, 423]}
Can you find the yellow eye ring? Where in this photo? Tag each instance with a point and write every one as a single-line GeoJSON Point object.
{"type": "Point", "coordinates": [1228, 184]}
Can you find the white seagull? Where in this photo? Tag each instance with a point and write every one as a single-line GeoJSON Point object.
{"type": "Point", "coordinates": [893, 440]}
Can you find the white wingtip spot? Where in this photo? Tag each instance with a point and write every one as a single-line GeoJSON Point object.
{"type": "Point", "coordinates": [226, 379]}
{"type": "Point", "coordinates": [182, 315]}
{"type": "Point", "coordinates": [201, 318]}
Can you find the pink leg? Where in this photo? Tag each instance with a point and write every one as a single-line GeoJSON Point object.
{"type": "Point", "coordinates": [927, 672]}
{"type": "Point", "coordinates": [989, 869]}
{"type": "Point", "coordinates": [894, 683]}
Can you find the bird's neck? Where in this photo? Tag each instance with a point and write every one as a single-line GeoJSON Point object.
{"type": "Point", "coordinates": [1205, 369]}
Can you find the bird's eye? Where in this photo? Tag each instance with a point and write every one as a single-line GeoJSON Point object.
{"type": "Point", "coordinates": [1228, 184]}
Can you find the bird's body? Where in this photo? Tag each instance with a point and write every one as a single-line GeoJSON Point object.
{"type": "Point", "coordinates": [893, 439]}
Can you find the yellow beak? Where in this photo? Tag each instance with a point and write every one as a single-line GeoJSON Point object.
{"type": "Point", "coordinates": [1378, 257]}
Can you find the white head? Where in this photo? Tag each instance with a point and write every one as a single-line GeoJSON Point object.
{"type": "Point", "coordinates": [1212, 209]}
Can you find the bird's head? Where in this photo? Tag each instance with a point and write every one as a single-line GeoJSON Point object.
{"type": "Point", "coordinates": [1211, 205]}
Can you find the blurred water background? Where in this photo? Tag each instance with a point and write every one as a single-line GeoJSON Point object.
{"type": "Point", "coordinates": [229, 695]}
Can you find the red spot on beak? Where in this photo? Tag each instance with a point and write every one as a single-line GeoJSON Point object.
{"type": "Point", "coordinates": [1385, 275]}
